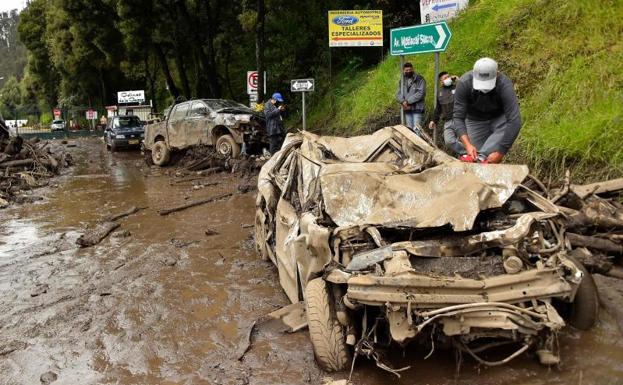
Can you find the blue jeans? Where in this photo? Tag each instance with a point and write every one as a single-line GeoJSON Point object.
{"type": "Point", "coordinates": [413, 120]}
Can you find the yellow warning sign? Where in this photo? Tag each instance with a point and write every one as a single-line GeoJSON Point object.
{"type": "Point", "coordinates": [361, 28]}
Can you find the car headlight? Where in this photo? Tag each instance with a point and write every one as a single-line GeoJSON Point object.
{"type": "Point", "coordinates": [142, 135]}
{"type": "Point", "coordinates": [120, 136]}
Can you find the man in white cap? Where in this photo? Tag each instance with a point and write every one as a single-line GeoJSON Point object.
{"type": "Point", "coordinates": [486, 113]}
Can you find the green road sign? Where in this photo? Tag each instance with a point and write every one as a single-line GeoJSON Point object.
{"type": "Point", "coordinates": [420, 39]}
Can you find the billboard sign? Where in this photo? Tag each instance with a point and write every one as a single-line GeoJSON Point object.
{"type": "Point", "coordinates": [124, 97]}
{"type": "Point", "coordinates": [356, 28]}
{"type": "Point", "coordinates": [432, 11]}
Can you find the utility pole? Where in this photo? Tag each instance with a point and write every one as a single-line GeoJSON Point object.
{"type": "Point", "coordinates": [259, 51]}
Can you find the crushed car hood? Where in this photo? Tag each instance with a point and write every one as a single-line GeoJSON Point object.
{"type": "Point", "coordinates": [393, 178]}
{"type": "Point", "coordinates": [451, 193]}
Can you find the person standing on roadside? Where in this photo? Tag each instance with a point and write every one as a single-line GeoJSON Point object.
{"type": "Point", "coordinates": [273, 110]}
{"type": "Point", "coordinates": [486, 113]}
{"type": "Point", "coordinates": [444, 110]}
{"type": "Point", "coordinates": [411, 97]}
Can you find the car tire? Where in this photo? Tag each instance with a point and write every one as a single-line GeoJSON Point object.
{"type": "Point", "coordinates": [160, 154]}
{"type": "Point", "coordinates": [226, 146]}
{"type": "Point", "coordinates": [584, 310]}
{"type": "Point", "coordinates": [325, 331]}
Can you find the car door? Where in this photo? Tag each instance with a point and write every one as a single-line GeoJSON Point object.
{"type": "Point", "coordinates": [196, 124]}
{"type": "Point", "coordinates": [175, 125]}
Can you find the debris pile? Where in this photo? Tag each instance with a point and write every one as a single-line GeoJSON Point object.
{"type": "Point", "coordinates": [26, 164]}
{"type": "Point", "coordinates": [593, 222]}
{"type": "Point", "coordinates": [204, 160]}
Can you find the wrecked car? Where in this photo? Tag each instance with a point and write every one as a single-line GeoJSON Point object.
{"type": "Point", "coordinates": [388, 240]}
{"type": "Point", "coordinates": [224, 124]}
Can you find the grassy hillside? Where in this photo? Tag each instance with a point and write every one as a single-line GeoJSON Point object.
{"type": "Point", "coordinates": [565, 57]}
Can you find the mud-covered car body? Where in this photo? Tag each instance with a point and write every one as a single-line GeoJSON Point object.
{"type": "Point", "coordinates": [406, 237]}
{"type": "Point", "coordinates": [221, 123]}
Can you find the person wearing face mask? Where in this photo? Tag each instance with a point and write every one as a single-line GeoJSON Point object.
{"type": "Point", "coordinates": [411, 97]}
{"type": "Point", "coordinates": [486, 113]}
{"type": "Point", "coordinates": [443, 112]}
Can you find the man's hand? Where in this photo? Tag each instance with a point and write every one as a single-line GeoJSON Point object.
{"type": "Point", "coordinates": [431, 125]}
{"type": "Point", "coordinates": [495, 157]}
{"type": "Point", "coordinates": [405, 105]}
{"type": "Point", "coordinates": [471, 150]}
{"type": "Point", "coordinates": [282, 107]}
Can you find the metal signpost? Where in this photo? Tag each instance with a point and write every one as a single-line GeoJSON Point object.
{"type": "Point", "coordinates": [425, 38]}
{"type": "Point", "coordinates": [91, 115]}
{"type": "Point", "coordinates": [302, 85]}
{"type": "Point", "coordinates": [252, 77]}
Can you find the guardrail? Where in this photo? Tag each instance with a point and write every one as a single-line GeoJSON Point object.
{"type": "Point", "coordinates": [46, 133]}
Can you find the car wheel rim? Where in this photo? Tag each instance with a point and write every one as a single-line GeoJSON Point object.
{"type": "Point", "coordinates": [158, 154]}
{"type": "Point", "coordinates": [224, 148]}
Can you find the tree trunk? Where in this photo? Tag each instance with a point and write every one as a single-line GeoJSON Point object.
{"type": "Point", "coordinates": [259, 49]}
{"type": "Point", "coordinates": [166, 71]}
{"type": "Point", "coordinates": [181, 69]}
{"type": "Point", "coordinates": [150, 77]}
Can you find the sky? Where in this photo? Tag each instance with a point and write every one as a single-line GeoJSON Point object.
{"type": "Point", "coordinates": [7, 5]}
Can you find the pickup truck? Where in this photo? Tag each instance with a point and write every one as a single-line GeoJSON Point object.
{"type": "Point", "coordinates": [224, 124]}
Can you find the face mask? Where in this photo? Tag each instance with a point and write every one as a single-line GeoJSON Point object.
{"type": "Point", "coordinates": [447, 82]}
{"type": "Point", "coordinates": [485, 91]}
{"type": "Point", "coordinates": [409, 74]}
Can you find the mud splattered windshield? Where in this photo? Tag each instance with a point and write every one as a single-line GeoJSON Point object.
{"type": "Point", "coordinates": [127, 122]}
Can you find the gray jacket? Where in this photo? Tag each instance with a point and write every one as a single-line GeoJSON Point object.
{"type": "Point", "coordinates": [274, 121]}
{"type": "Point", "coordinates": [474, 105]}
{"type": "Point", "coordinates": [414, 93]}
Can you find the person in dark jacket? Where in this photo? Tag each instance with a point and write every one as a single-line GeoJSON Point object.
{"type": "Point", "coordinates": [444, 110]}
{"type": "Point", "coordinates": [411, 97]}
{"type": "Point", "coordinates": [486, 113]}
{"type": "Point", "coordinates": [273, 110]}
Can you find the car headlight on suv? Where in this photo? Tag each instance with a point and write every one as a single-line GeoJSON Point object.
{"type": "Point", "coordinates": [120, 136]}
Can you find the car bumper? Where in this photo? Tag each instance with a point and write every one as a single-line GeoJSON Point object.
{"type": "Point", "coordinates": [435, 292]}
{"type": "Point", "coordinates": [127, 143]}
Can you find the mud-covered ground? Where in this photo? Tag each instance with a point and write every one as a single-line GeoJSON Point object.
{"type": "Point", "coordinates": [161, 302]}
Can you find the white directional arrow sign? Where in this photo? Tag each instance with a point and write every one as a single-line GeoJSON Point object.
{"type": "Point", "coordinates": [442, 36]}
{"type": "Point", "coordinates": [302, 85]}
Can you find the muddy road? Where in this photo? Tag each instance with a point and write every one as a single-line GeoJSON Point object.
{"type": "Point", "coordinates": [161, 302]}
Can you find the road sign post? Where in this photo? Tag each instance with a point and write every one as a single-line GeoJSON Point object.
{"type": "Point", "coordinates": [402, 88]}
{"type": "Point", "coordinates": [304, 86]}
{"type": "Point", "coordinates": [425, 38]}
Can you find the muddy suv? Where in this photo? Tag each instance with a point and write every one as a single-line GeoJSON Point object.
{"type": "Point", "coordinates": [224, 124]}
{"type": "Point", "coordinates": [388, 240]}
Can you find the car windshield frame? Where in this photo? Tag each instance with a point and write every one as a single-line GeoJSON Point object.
{"type": "Point", "coordinates": [132, 119]}
{"type": "Point", "coordinates": [224, 104]}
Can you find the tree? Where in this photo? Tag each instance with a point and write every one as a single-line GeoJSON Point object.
{"type": "Point", "coordinates": [11, 96]}
{"type": "Point", "coordinates": [44, 75]}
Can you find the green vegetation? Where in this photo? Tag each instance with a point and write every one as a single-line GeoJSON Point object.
{"type": "Point", "coordinates": [563, 55]}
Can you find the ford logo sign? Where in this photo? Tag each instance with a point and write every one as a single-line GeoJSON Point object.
{"type": "Point", "coordinates": [344, 20]}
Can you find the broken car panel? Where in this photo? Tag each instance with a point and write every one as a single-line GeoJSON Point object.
{"type": "Point", "coordinates": [386, 238]}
